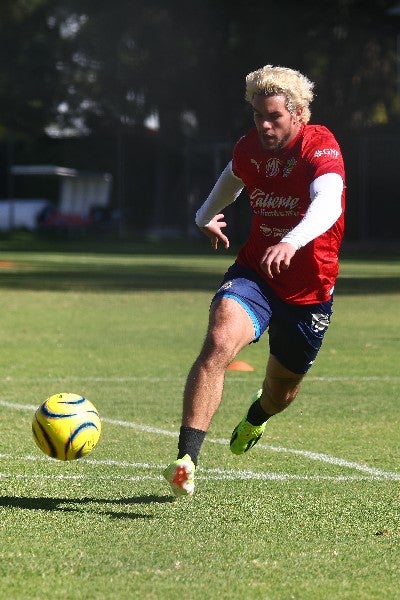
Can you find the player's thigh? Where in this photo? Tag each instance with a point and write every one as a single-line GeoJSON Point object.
{"type": "Point", "coordinates": [230, 325]}
{"type": "Point", "coordinates": [296, 334]}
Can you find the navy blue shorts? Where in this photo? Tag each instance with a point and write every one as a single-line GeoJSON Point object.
{"type": "Point", "coordinates": [295, 331]}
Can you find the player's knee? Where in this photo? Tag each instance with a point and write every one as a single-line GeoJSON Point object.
{"type": "Point", "coordinates": [278, 395]}
{"type": "Point", "coordinates": [218, 349]}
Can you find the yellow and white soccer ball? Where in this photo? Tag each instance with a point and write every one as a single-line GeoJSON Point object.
{"type": "Point", "coordinates": [66, 426]}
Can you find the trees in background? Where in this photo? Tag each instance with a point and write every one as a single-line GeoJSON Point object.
{"type": "Point", "coordinates": [185, 61]}
{"type": "Point", "coordinates": [168, 76]}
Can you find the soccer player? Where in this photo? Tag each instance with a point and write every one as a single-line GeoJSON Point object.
{"type": "Point", "coordinates": [284, 274]}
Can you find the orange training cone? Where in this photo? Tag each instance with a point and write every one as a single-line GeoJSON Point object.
{"type": "Point", "coordinates": [240, 365]}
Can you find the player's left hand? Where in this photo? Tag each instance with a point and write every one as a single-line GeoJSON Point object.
{"type": "Point", "coordinates": [277, 258]}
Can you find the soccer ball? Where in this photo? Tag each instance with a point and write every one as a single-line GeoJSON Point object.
{"type": "Point", "coordinates": [66, 426]}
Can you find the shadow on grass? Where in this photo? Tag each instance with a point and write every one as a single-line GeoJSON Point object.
{"type": "Point", "coordinates": [128, 278]}
{"type": "Point", "coordinates": [112, 278]}
{"type": "Point", "coordinates": [69, 504]}
{"type": "Point", "coordinates": [368, 285]}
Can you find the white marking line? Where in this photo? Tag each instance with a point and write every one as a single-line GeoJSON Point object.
{"type": "Point", "coordinates": [82, 477]}
{"type": "Point", "coordinates": [235, 476]}
{"type": "Point", "coordinates": [172, 379]}
{"type": "Point", "coordinates": [326, 458]}
{"type": "Point", "coordinates": [71, 378]}
{"type": "Point", "coordinates": [340, 462]}
{"type": "Point", "coordinates": [354, 378]}
{"type": "Point", "coordinates": [202, 473]}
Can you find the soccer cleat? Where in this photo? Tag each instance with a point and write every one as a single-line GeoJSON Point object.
{"type": "Point", "coordinates": [180, 476]}
{"type": "Point", "coordinates": [245, 435]}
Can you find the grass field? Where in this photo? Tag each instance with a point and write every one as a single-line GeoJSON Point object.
{"type": "Point", "coordinates": [311, 513]}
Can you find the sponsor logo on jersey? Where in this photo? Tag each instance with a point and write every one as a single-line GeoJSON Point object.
{"type": "Point", "coordinates": [287, 204]}
{"type": "Point", "coordinates": [258, 164]}
{"type": "Point", "coordinates": [278, 232]}
{"type": "Point", "coordinates": [290, 164]}
{"type": "Point", "coordinates": [331, 152]}
{"type": "Point", "coordinates": [272, 167]}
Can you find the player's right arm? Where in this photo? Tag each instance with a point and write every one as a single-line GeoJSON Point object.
{"type": "Point", "coordinates": [209, 217]}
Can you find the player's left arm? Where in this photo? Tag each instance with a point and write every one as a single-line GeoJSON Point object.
{"type": "Point", "coordinates": [324, 210]}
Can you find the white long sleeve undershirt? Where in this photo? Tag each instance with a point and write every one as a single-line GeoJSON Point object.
{"type": "Point", "coordinates": [224, 192]}
{"type": "Point", "coordinates": [323, 212]}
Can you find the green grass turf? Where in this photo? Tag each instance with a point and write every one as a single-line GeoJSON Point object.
{"type": "Point", "coordinates": [311, 513]}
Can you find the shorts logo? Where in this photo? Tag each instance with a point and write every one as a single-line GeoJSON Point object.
{"type": "Point", "coordinates": [319, 322]}
{"type": "Point", "coordinates": [225, 286]}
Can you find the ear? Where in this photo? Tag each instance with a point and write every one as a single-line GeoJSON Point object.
{"type": "Point", "coordinates": [298, 115]}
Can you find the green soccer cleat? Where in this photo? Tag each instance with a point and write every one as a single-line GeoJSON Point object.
{"type": "Point", "coordinates": [180, 476]}
{"type": "Point", "coordinates": [245, 435]}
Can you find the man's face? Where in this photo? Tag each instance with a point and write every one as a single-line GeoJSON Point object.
{"type": "Point", "coordinates": [276, 126]}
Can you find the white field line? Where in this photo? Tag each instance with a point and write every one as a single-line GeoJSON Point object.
{"type": "Point", "coordinates": [235, 476]}
{"type": "Point", "coordinates": [373, 472]}
{"type": "Point", "coordinates": [202, 473]}
{"type": "Point", "coordinates": [232, 377]}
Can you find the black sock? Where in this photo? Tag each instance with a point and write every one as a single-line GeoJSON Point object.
{"type": "Point", "coordinates": [256, 414]}
{"type": "Point", "coordinates": [190, 441]}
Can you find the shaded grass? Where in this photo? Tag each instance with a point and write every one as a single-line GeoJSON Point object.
{"type": "Point", "coordinates": [96, 272]}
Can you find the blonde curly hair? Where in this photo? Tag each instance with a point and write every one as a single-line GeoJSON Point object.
{"type": "Point", "coordinates": [297, 88]}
